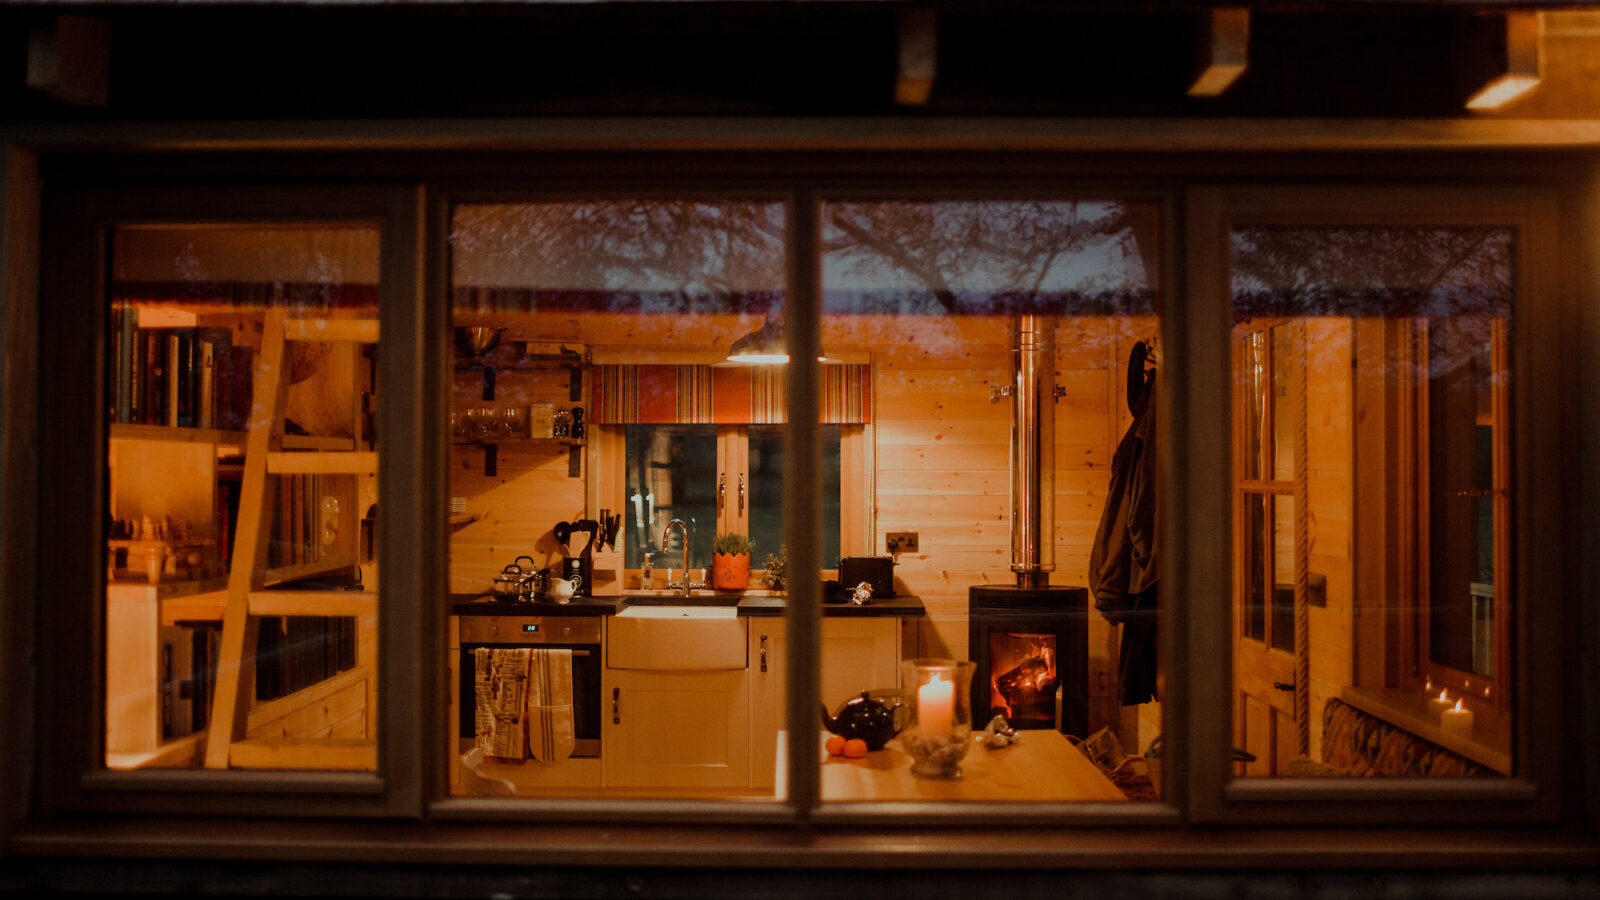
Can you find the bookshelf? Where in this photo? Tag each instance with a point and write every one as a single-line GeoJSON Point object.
{"type": "Point", "coordinates": [176, 439]}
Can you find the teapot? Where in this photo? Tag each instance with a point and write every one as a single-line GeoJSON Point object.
{"type": "Point", "coordinates": [868, 718]}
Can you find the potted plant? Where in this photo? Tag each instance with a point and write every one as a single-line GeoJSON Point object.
{"type": "Point", "coordinates": [730, 562]}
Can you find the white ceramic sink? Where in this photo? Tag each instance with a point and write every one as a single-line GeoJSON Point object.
{"type": "Point", "coordinates": [676, 638]}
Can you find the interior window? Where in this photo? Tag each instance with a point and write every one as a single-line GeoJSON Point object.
{"type": "Point", "coordinates": [1372, 380]}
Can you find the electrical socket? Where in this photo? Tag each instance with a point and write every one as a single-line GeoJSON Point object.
{"type": "Point", "coordinates": [901, 541]}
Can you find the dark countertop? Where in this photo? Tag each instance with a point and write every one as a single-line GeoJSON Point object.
{"type": "Point", "coordinates": [750, 604]}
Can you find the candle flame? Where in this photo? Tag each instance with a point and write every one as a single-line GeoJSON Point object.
{"type": "Point", "coordinates": [1458, 706]}
{"type": "Point", "coordinates": [936, 679]}
{"type": "Point", "coordinates": [1443, 698]}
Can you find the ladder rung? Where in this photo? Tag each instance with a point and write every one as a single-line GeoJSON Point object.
{"type": "Point", "coordinates": [361, 462]}
{"type": "Point", "coordinates": [359, 754]}
{"type": "Point", "coordinates": [313, 603]}
{"type": "Point", "coordinates": [363, 331]}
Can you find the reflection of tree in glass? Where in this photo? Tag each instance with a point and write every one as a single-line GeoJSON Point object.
{"type": "Point", "coordinates": [987, 257]}
{"type": "Point", "coordinates": [636, 255]}
{"type": "Point", "coordinates": [1422, 272]}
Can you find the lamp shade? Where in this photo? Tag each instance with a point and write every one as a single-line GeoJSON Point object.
{"type": "Point", "coordinates": [764, 346]}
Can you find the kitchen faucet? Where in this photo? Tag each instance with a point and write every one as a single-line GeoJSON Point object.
{"type": "Point", "coordinates": [686, 584]}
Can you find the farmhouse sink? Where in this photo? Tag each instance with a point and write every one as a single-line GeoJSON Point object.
{"type": "Point", "coordinates": [676, 638]}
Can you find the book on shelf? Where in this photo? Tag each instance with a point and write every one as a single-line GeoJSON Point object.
{"type": "Point", "coordinates": [177, 377]}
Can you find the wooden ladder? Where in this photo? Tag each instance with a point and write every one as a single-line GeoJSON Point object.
{"type": "Point", "coordinates": [248, 577]}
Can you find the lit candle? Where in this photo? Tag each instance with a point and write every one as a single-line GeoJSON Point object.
{"type": "Point", "coordinates": [1437, 705]}
{"type": "Point", "coordinates": [1456, 723]}
{"type": "Point", "coordinates": [936, 707]}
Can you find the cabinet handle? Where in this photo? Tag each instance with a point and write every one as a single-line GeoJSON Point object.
{"type": "Point", "coordinates": [722, 490]}
{"type": "Point", "coordinates": [1283, 686]}
{"type": "Point", "coordinates": [741, 492]}
{"type": "Point", "coordinates": [616, 698]}
{"type": "Point", "coordinates": [763, 653]}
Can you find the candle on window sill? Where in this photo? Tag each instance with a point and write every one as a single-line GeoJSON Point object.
{"type": "Point", "coordinates": [1456, 722]}
{"type": "Point", "coordinates": [1438, 705]}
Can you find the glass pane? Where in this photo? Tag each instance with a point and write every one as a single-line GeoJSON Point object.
{"type": "Point", "coordinates": [1285, 355]}
{"type": "Point", "coordinates": [196, 339]}
{"type": "Point", "coordinates": [766, 491]}
{"type": "Point", "coordinates": [1253, 533]}
{"type": "Point", "coordinates": [601, 329]}
{"type": "Point", "coordinates": [1390, 372]}
{"type": "Point", "coordinates": [1461, 418]}
{"type": "Point", "coordinates": [670, 475]}
{"type": "Point", "coordinates": [1256, 370]}
{"type": "Point", "coordinates": [1283, 555]}
{"type": "Point", "coordinates": [1034, 516]}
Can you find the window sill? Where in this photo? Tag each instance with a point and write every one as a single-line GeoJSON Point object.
{"type": "Point", "coordinates": [1491, 745]}
{"type": "Point", "coordinates": [780, 846]}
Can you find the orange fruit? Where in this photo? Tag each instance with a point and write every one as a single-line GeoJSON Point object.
{"type": "Point", "coordinates": [835, 745]}
{"type": "Point", "coordinates": [855, 748]}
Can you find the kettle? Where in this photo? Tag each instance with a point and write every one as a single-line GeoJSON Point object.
{"type": "Point", "coordinates": [868, 718]}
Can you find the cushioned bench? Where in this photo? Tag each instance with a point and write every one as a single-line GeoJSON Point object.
{"type": "Point", "coordinates": [1357, 743]}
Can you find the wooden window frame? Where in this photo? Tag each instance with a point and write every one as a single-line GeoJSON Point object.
{"type": "Point", "coordinates": [1542, 307]}
{"type": "Point", "coordinates": [1195, 635]}
{"type": "Point", "coordinates": [77, 226]}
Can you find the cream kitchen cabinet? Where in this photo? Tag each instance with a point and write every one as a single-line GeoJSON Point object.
{"type": "Point", "coordinates": [676, 703]}
{"type": "Point", "coordinates": [858, 653]}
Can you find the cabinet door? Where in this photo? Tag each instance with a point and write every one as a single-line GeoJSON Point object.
{"type": "Point", "coordinates": [768, 696]}
{"type": "Point", "coordinates": [858, 654]}
{"type": "Point", "coordinates": [676, 729]}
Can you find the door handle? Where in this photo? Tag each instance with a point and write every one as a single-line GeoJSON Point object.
{"type": "Point", "coordinates": [1283, 686]}
{"type": "Point", "coordinates": [722, 490]}
{"type": "Point", "coordinates": [763, 653]}
{"type": "Point", "coordinates": [741, 492]}
{"type": "Point", "coordinates": [616, 699]}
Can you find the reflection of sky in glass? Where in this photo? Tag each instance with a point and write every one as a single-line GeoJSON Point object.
{"type": "Point", "coordinates": [649, 246]}
{"type": "Point", "coordinates": [987, 256]}
{"type": "Point", "coordinates": [1372, 271]}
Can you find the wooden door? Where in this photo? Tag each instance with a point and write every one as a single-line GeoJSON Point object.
{"type": "Point", "coordinates": [1271, 547]}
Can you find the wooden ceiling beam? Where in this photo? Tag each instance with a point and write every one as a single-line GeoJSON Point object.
{"type": "Point", "coordinates": [1524, 63]}
{"type": "Point", "coordinates": [919, 56]}
{"type": "Point", "coordinates": [1224, 51]}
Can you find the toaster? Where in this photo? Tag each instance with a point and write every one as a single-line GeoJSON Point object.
{"type": "Point", "coordinates": [877, 571]}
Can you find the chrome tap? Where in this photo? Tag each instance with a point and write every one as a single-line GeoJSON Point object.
{"type": "Point", "coordinates": [686, 584]}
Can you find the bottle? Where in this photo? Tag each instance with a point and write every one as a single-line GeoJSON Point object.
{"type": "Point", "coordinates": [646, 575]}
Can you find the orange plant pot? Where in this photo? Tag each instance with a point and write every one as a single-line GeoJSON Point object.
{"type": "Point", "coordinates": [730, 572]}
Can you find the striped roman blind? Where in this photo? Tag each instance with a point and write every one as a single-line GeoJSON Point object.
{"type": "Point", "coordinates": [722, 395]}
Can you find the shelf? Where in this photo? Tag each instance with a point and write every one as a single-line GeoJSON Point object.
{"type": "Point", "coordinates": [570, 442]}
{"type": "Point", "coordinates": [122, 431]}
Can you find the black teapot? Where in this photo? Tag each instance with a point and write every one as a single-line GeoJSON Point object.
{"type": "Point", "coordinates": [868, 718]}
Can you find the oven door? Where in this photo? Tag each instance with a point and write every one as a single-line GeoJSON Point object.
{"type": "Point", "coordinates": [581, 635]}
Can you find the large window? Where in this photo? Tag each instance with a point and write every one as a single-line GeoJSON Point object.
{"type": "Point", "coordinates": [1012, 468]}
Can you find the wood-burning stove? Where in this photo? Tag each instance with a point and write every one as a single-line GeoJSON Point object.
{"type": "Point", "coordinates": [1031, 647]}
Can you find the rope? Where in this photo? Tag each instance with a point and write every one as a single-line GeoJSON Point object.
{"type": "Point", "coordinates": [1302, 553]}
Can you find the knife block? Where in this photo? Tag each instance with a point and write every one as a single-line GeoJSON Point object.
{"type": "Point", "coordinates": [606, 570]}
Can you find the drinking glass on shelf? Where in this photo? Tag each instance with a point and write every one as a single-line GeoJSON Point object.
{"type": "Point", "coordinates": [513, 422]}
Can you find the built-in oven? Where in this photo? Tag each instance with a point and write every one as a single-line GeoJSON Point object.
{"type": "Point", "coordinates": [580, 634]}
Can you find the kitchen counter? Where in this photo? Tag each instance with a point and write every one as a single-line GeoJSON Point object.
{"type": "Point", "coordinates": [748, 604]}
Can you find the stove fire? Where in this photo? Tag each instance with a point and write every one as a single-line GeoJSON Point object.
{"type": "Point", "coordinates": [1025, 689]}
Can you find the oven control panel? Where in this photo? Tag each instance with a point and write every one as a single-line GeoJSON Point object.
{"type": "Point", "coordinates": [531, 629]}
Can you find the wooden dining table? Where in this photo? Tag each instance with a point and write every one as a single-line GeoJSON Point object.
{"type": "Point", "coordinates": [1043, 767]}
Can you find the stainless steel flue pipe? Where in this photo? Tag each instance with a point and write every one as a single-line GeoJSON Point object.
{"type": "Point", "coordinates": [1033, 450]}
